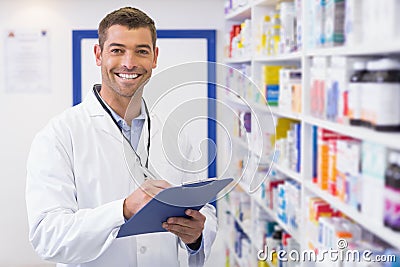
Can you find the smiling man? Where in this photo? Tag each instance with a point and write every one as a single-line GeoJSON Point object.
{"type": "Point", "coordinates": [80, 189]}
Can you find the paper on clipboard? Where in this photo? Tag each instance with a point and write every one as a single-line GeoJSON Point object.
{"type": "Point", "coordinates": [172, 202]}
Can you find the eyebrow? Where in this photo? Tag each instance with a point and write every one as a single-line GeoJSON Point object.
{"type": "Point", "coordinates": [144, 46]}
{"type": "Point", "coordinates": [138, 46]}
{"type": "Point", "coordinates": [116, 44]}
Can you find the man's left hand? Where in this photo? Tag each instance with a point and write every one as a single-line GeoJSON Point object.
{"type": "Point", "coordinates": [188, 229]}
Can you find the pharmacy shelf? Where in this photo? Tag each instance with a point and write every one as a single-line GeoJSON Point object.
{"type": "Point", "coordinates": [244, 188]}
{"type": "Point", "coordinates": [237, 60]}
{"type": "Point", "coordinates": [288, 172]}
{"type": "Point", "coordinates": [246, 105]}
{"type": "Point", "coordinates": [241, 142]}
{"type": "Point", "coordinates": [379, 230]}
{"type": "Point", "coordinates": [236, 258]}
{"type": "Point", "coordinates": [265, 3]}
{"type": "Point", "coordinates": [237, 103]}
{"type": "Point", "coordinates": [391, 140]}
{"type": "Point", "coordinates": [263, 159]}
{"type": "Point", "coordinates": [286, 114]}
{"type": "Point", "coordinates": [382, 48]}
{"type": "Point", "coordinates": [244, 227]}
{"type": "Point", "coordinates": [229, 243]}
{"type": "Point", "coordinates": [259, 107]}
{"type": "Point", "coordinates": [240, 13]}
{"type": "Point", "coordinates": [256, 9]}
{"type": "Point", "coordinates": [290, 57]}
{"type": "Point", "coordinates": [241, 104]}
{"type": "Point", "coordinates": [273, 216]}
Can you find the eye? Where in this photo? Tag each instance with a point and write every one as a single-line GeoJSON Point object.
{"type": "Point", "coordinates": [116, 51]}
{"type": "Point", "coordinates": [143, 52]}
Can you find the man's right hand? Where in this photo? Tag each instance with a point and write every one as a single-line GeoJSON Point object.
{"type": "Point", "coordinates": [141, 196]}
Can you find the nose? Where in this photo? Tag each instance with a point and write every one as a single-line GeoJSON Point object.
{"type": "Point", "coordinates": [129, 61]}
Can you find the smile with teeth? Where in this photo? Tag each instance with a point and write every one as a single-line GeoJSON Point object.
{"type": "Point", "coordinates": [128, 76]}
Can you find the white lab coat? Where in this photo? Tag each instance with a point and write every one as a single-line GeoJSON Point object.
{"type": "Point", "coordinates": [77, 180]}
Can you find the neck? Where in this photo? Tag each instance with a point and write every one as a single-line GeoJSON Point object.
{"type": "Point", "coordinates": [126, 107]}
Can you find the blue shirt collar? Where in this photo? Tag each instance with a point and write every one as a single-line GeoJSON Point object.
{"type": "Point", "coordinates": [121, 122]}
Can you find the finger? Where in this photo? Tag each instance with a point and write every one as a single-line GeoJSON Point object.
{"type": "Point", "coordinates": [187, 239]}
{"type": "Point", "coordinates": [178, 228]}
{"type": "Point", "coordinates": [187, 235]}
{"type": "Point", "coordinates": [197, 215]}
{"type": "Point", "coordinates": [190, 223]}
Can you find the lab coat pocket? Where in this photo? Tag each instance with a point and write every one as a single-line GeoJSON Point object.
{"type": "Point", "coordinates": [157, 249]}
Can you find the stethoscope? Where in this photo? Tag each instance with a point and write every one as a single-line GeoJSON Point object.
{"type": "Point", "coordinates": [96, 89]}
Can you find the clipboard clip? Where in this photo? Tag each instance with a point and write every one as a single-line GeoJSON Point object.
{"type": "Point", "coordinates": [200, 181]}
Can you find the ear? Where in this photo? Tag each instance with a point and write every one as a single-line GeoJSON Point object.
{"type": "Point", "coordinates": [155, 58]}
{"type": "Point", "coordinates": [97, 54]}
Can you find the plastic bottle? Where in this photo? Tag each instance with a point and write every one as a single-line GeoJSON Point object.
{"type": "Point", "coordinates": [265, 35]}
{"type": "Point", "coordinates": [334, 22]}
{"type": "Point", "coordinates": [388, 108]}
{"type": "Point", "coordinates": [275, 34]}
{"type": "Point", "coordinates": [319, 22]}
{"type": "Point", "coordinates": [234, 40]}
{"type": "Point", "coordinates": [381, 95]}
{"type": "Point", "coordinates": [245, 38]}
{"type": "Point", "coordinates": [388, 189]}
{"type": "Point", "coordinates": [284, 247]}
{"type": "Point", "coordinates": [353, 22]}
{"type": "Point", "coordinates": [299, 25]}
{"type": "Point", "coordinates": [368, 88]}
{"type": "Point", "coordinates": [355, 92]}
{"type": "Point", "coordinates": [288, 27]}
{"type": "Point", "coordinates": [395, 223]}
{"type": "Point", "coordinates": [276, 242]}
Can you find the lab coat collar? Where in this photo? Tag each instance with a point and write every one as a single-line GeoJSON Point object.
{"type": "Point", "coordinates": [102, 120]}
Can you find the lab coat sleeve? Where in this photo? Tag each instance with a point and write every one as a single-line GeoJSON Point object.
{"type": "Point", "coordinates": [209, 233]}
{"type": "Point", "coordinates": [58, 230]}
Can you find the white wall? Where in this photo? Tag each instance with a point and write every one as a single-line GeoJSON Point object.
{"type": "Point", "coordinates": [22, 115]}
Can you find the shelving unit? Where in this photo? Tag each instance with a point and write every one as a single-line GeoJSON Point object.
{"type": "Point", "coordinates": [284, 226]}
{"type": "Point", "coordinates": [255, 10]}
{"type": "Point", "coordinates": [290, 57]}
{"type": "Point", "coordinates": [240, 13]}
{"type": "Point", "coordinates": [237, 60]}
{"type": "Point", "coordinates": [279, 113]}
{"type": "Point", "coordinates": [377, 229]}
{"type": "Point", "coordinates": [257, 202]}
{"type": "Point", "coordinates": [391, 140]}
{"type": "Point", "coordinates": [364, 50]}
{"type": "Point", "coordinates": [289, 173]}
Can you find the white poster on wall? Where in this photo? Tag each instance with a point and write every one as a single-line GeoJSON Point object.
{"type": "Point", "coordinates": [27, 61]}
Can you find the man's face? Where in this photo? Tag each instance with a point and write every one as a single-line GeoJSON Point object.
{"type": "Point", "coordinates": [127, 59]}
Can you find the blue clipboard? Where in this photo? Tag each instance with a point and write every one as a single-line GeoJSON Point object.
{"type": "Point", "coordinates": [172, 202]}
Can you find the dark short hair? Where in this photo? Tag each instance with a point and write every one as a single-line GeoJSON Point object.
{"type": "Point", "coordinates": [130, 17]}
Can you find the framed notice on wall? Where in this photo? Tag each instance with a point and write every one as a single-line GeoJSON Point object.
{"type": "Point", "coordinates": [27, 61]}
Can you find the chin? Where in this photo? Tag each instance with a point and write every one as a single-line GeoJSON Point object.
{"type": "Point", "coordinates": [129, 94]}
